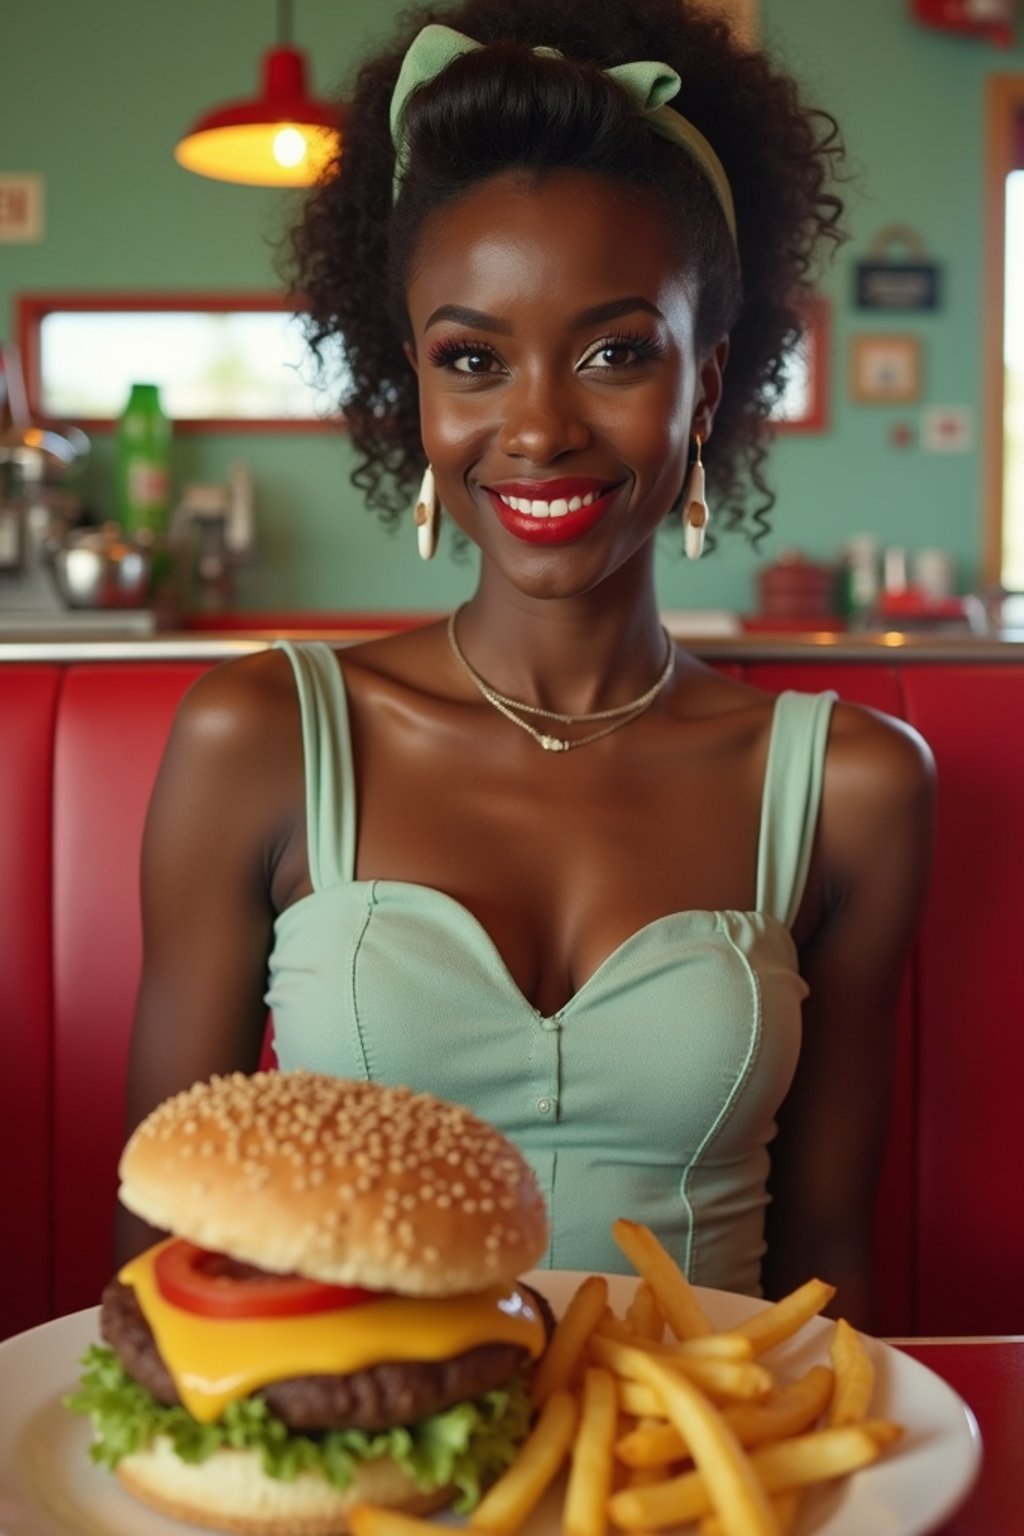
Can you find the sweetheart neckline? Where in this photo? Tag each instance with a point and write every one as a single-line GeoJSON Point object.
{"type": "Point", "coordinates": [432, 892]}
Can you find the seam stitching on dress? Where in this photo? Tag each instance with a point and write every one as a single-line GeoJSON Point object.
{"type": "Point", "coordinates": [732, 1098]}
{"type": "Point", "coordinates": [554, 1170]}
{"type": "Point", "coordinates": [370, 904]}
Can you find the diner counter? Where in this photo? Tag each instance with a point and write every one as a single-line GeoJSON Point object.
{"type": "Point", "coordinates": [208, 644]}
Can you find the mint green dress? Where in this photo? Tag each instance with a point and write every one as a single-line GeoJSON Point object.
{"type": "Point", "coordinates": [651, 1094]}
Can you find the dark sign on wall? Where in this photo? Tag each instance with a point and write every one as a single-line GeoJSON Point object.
{"type": "Point", "coordinates": [898, 274]}
{"type": "Point", "coordinates": [897, 285]}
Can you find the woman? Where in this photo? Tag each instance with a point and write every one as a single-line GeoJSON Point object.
{"type": "Point", "coordinates": [534, 858]}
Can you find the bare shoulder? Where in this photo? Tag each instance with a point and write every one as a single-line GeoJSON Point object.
{"type": "Point", "coordinates": [238, 724]}
{"type": "Point", "coordinates": [240, 703]}
{"type": "Point", "coordinates": [875, 758]}
{"type": "Point", "coordinates": [879, 790]}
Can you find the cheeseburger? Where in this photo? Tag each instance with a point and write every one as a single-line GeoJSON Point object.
{"type": "Point", "coordinates": [336, 1317]}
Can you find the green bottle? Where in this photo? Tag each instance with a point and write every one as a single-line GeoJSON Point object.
{"type": "Point", "coordinates": [143, 463]}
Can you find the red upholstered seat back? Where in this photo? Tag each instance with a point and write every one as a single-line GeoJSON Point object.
{"type": "Point", "coordinates": [969, 1211]}
{"type": "Point", "coordinates": [79, 750]}
{"type": "Point", "coordinates": [28, 704]}
{"type": "Point", "coordinates": [111, 732]}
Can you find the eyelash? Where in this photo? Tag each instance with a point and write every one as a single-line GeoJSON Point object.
{"type": "Point", "coordinates": [446, 353]}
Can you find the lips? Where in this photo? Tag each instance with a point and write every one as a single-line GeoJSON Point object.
{"type": "Point", "coordinates": [551, 511]}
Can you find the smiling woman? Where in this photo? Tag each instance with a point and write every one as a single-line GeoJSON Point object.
{"type": "Point", "coordinates": [533, 858]}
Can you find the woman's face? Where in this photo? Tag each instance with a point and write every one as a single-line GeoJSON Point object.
{"type": "Point", "coordinates": [553, 337]}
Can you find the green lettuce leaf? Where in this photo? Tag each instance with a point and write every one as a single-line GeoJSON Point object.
{"type": "Point", "coordinates": [468, 1445]}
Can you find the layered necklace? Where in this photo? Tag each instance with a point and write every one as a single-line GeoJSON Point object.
{"type": "Point", "coordinates": [514, 709]}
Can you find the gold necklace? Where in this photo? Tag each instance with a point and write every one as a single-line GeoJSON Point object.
{"type": "Point", "coordinates": [619, 715]}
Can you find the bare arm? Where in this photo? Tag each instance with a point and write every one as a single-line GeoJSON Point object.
{"type": "Point", "coordinates": [216, 811]}
{"type": "Point", "coordinates": [874, 845]}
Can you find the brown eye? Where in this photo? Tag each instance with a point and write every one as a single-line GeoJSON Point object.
{"type": "Point", "coordinates": [474, 362]}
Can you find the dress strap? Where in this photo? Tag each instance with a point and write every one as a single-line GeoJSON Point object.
{"type": "Point", "coordinates": [792, 796]}
{"type": "Point", "coordinates": [327, 756]}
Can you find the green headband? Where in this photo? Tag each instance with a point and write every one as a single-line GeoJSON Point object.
{"type": "Point", "coordinates": [647, 84]}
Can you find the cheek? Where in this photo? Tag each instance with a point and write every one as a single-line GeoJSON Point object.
{"type": "Point", "coordinates": [453, 429]}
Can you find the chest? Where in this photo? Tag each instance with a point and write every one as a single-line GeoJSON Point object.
{"type": "Point", "coordinates": [561, 858]}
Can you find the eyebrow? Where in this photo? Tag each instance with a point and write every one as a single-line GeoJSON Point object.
{"type": "Point", "coordinates": [478, 319]}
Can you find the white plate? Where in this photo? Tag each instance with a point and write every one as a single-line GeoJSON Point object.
{"type": "Point", "coordinates": [49, 1487]}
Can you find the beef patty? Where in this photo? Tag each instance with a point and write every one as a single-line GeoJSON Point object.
{"type": "Point", "coordinates": [394, 1392]}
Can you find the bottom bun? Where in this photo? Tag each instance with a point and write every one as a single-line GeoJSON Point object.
{"type": "Point", "coordinates": [231, 1492]}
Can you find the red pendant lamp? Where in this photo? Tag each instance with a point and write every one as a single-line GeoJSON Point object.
{"type": "Point", "coordinates": [282, 138]}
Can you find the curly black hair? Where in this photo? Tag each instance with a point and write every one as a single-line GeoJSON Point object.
{"type": "Point", "coordinates": [507, 108]}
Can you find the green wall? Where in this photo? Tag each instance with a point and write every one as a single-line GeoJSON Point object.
{"type": "Point", "coordinates": [95, 96]}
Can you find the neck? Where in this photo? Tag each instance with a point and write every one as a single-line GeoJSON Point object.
{"type": "Point", "coordinates": [571, 655]}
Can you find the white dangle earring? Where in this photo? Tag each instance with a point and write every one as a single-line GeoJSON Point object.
{"type": "Point", "coordinates": [695, 508]}
{"type": "Point", "coordinates": [428, 516]}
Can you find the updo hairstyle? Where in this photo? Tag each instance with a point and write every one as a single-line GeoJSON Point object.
{"type": "Point", "coordinates": [505, 108]}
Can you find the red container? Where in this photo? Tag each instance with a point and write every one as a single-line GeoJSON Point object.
{"type": "Point", "coordinates": [796, 588]}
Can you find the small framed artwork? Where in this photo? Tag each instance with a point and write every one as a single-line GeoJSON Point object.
{"type": "Point", "coordinates": [885, 369]}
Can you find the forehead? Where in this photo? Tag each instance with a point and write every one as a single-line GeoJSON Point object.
{"type": "Point", "coordinates": [560, 243]}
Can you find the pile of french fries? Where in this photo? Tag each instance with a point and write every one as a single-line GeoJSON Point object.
{"type": "Point", "coordinates": [692, 1429]}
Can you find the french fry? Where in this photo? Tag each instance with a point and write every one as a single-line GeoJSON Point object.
{"type": "Point", "coordinates": [651, 1445]}
{"type": "Point", "coordinates": [789, 1411]}
{"type": "Point", "coordinates": [675, 1294]}
{"type": "Point", "coordinates": [640, 1401]}
{"type": "Point", "coordinates": [784, 1318]}
{"type": "Point", "coordinates": [855, 1376]}
{"type": "Point", "coordinates": [590, 1476]}
{"type": "Point", "coordinates": [370, 1520]}
{"type": "Point", "coordinates": [818, 1457]}
{"type": "Point", "coordinates": [710, 1346]}
{"type": "Point", "coordinates": [785, 1508]}
{"type": "Point", "coordinates": [518, 1490]}
{"type": "Point", "coordinates": [715, 1346]}
{"type": "Point", "coordinates": [644, 1315]}
{"type": "Point", "coordinates": [566, 1344]}
{"type": "Point", "coordinates": [735, 1491]}
{"type": "Point", "coordinates": [722, 1380]}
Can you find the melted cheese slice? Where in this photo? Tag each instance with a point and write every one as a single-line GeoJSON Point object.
{"type": "Point", "coordinates": [213, 1361]}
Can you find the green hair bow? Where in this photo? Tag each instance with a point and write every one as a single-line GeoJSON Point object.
{"type": "Point", "coordinates": [648, 85]}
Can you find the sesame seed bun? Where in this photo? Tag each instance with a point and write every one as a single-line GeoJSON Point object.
{"type": "Point", "coordinates": [350, 1183]}
{"type": "Point", "coordinates": [231, 1492]}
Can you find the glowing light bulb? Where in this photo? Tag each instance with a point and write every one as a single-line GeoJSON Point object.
{"type": "Point", "coordinates": [289, 147]}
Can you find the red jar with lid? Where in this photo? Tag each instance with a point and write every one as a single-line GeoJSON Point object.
{"type": "Point", "coordinates": [796, 592]}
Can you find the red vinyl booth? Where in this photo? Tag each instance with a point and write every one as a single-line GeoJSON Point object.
{"type": "Point", "coordinates": [79, 749]}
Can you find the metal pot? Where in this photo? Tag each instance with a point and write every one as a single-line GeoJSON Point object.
{"type": "Point", "coordinates": [101, 568]}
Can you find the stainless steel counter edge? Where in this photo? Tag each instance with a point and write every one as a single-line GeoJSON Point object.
{"type": "Point", "coordinates": [1006, 647]}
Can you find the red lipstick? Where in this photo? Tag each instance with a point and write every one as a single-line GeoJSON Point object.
{"type": "Point", "coordinates": [562, 522]}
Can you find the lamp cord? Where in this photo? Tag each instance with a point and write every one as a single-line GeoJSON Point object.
{"type": "Point", "coordinates": [285, 30]}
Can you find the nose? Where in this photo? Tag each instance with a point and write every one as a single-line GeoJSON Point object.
{"type": "Point", "coordinates": [542, 421]}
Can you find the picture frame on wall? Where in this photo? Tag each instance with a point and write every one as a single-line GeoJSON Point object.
{"type": "Point", "coordinates": [885, 369]}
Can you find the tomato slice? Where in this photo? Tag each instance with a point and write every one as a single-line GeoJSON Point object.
{"type": "Point", "coordinates": [213, 1285]}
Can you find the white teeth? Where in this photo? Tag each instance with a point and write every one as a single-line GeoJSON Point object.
{"type": "Point", "coordinates": [557, 508]}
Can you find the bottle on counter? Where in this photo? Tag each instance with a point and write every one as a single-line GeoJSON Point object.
{"type": "Point", "coordinates": [861, 579]}
{"type": "Point", "coordinates": [143, 463]}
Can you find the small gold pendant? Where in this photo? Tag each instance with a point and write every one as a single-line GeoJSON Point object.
{"type": "Point", "coordinates": [553, 744]}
